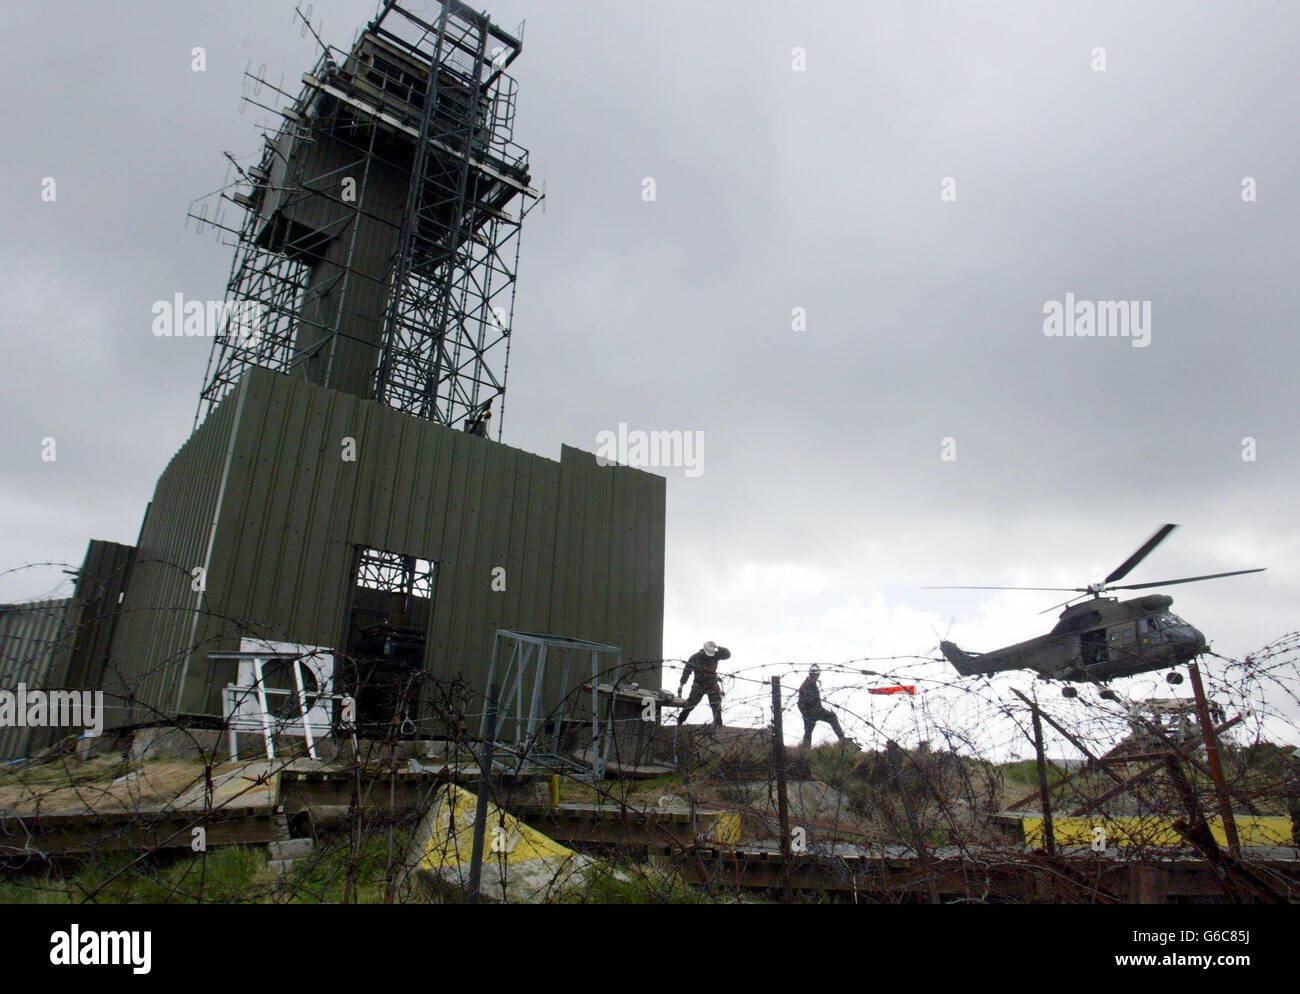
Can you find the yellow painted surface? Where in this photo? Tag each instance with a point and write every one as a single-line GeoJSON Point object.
{"type": "Point", "coordinates": [726, 828]}
{"type": "Point", "coordinates": [1128, 831]}
{"type": "Point", "coordinates": [451, 840]}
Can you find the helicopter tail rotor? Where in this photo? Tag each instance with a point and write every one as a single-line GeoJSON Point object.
{"type": "Point", "coordinates": [941, 639]}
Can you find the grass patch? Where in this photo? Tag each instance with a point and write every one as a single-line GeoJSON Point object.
{"type": "Point", "coordinates": [634, 885]}
{"type": "Point", "coordinates": [224, 875]}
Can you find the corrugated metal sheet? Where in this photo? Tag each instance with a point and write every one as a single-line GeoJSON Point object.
{"type": "Point", "coordinates": [35, 646]}
{"type": "Point", "coordinates": [582, 545]}
{"type": "Point", "coordinates": [101, 587]}
{"type": "Point", "coordinates": [158, 621]}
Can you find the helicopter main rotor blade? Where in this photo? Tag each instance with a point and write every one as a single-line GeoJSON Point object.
{"type": "Point", "coordinates": [1081, 590]}
{"type": "Point", "coordinates": [1063, 603]}
{"type": "Point", "coordinates": [1126, 567]}
{"type": "Point", "coordinates": [1186, 579]}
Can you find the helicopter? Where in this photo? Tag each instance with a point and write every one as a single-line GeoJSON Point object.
{"type": "Point", "coordinates": [1101, 638]}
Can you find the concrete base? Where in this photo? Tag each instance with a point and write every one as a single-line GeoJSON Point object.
{"type": "Point", "coordinates": [290, 849]}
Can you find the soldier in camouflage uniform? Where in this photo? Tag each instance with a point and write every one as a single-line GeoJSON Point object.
{"type": "Point", "coordinates": [812, 709]}
{"type": "Point", "coordinates": [704, 666]}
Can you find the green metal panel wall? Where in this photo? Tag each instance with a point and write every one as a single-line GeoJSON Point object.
{"type": "Point", "coordinates": [100, 588]}
{"type": "Point", "coordinates": [157, 624]}
{"type": "Point", "coordinates": [582, 545]}
{"type": "Point", "coordinates": [35, 645]}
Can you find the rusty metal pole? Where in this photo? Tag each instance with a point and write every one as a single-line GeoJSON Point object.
{"type": "Point", "coordinates": [1045, 799]}
{"type": "Point", "coordinates": [1212, 757]}
{"type": "Point", "coordinates": [782, 800]}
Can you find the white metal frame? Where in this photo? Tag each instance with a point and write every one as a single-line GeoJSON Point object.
{"type": "Point", "coordinates": [253, 656]}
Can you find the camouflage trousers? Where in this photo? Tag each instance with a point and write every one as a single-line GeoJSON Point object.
{"type": "Point", "coordinates": [698, 689]}
{"type": "Point", "coordinates": [813, 715]}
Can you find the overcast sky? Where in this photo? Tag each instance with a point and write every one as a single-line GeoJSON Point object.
{"type": "Point", "coordinates": [824, 503]}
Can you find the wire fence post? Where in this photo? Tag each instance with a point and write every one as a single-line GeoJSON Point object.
{"type": "Point", "coordinates": [480, 812]}
{"type": "Point", "coordinates": [1044, 797]}
{"type": "Point", "coordinates": [1214, 760]}
{"type": "Point", "coordinates": [914, 827]}
{"type": "Point", "coordinates": [782, 799]}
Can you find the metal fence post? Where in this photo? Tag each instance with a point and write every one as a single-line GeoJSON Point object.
{"type": "Point", "coordinates": [480, 812]}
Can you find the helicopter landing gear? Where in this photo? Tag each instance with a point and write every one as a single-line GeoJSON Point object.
{"type": "Point", "coordinates": [1174, 678]}
{"type": "Point", "coordinates": [1069, 693]}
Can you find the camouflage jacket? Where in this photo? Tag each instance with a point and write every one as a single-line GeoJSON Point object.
{"type": "Point", "coordinates": [704, 667]}
{"type": "Point", "coordinates": [810, 695]}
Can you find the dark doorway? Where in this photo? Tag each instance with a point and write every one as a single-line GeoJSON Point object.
{"type": "Point", "coordinates": [388, 625]}
{"type": "Point", "coordinates": [1093, 644]}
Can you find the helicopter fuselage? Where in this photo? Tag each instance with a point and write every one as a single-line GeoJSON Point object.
{"type": "Point", "coordinates": [1095, 641]}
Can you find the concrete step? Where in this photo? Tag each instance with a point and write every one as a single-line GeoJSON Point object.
{"type": "Point", "coordinates": [290, 849]}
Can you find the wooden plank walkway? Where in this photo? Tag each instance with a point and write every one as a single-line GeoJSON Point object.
{"type": "Point", "coordinates": [153, 808]}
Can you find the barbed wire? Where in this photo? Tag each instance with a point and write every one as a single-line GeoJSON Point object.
{"type": "Point", "coordinates": [933, 799]}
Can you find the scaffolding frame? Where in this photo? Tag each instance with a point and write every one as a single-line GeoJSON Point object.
{"type": "Point", "coordinates": [441, 343]}
{"type": "Point", "coordinates": [530, 734]}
